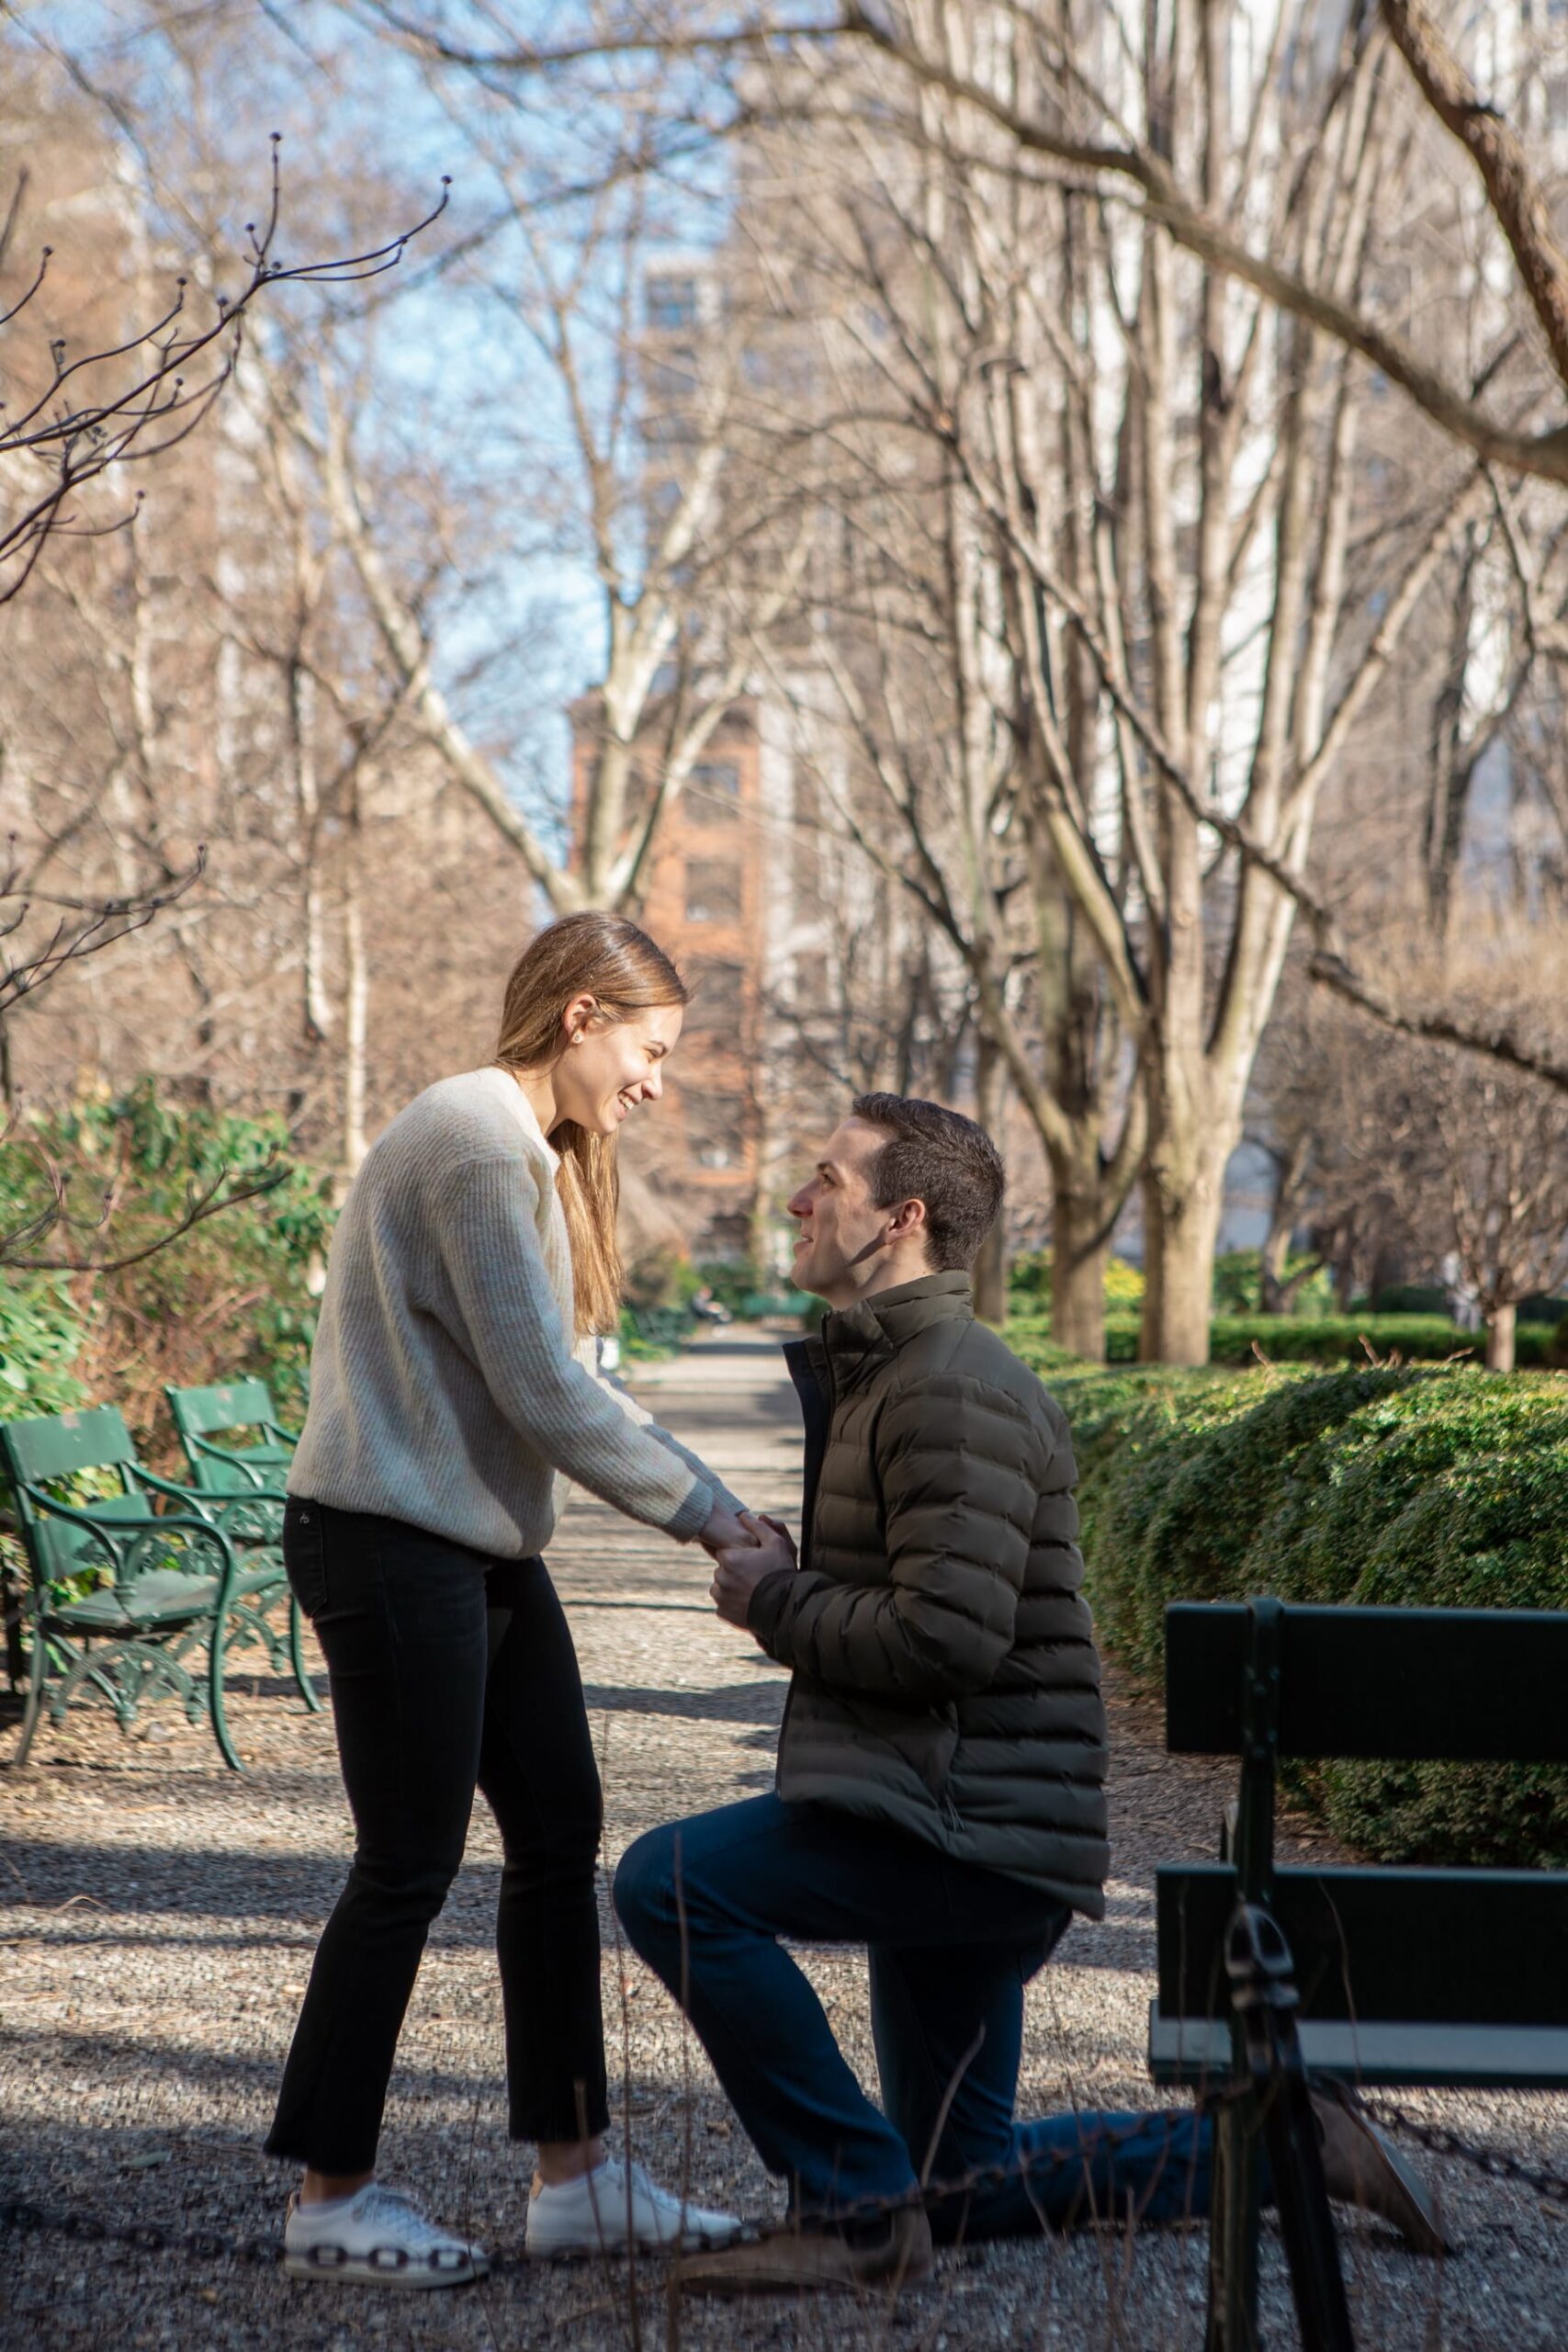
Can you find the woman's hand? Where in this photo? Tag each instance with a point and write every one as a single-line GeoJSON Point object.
{"type": "Point", "coordinates": [725, 1532]}
{"type": "Point", "coordinates": [768, 1547]}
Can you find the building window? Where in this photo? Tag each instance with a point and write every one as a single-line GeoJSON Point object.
{"type": "Point", "coordinates": [713, 890]}
{"type": "Point", "coordinates": [672, 304]}
{"type": "Point", "coordinates": [715, 790]}
{"type": "Point", "coordinates": [718, 996]}
{"type": "Point", "coordinates": [715, 1129]}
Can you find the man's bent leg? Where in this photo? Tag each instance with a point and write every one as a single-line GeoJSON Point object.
{"type": "Point", "coordinates": [705, 1902]}
{"type": "Point", "coordinates": [948, 2044]}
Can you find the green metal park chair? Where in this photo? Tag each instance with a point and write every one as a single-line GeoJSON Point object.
{"type": "Point", "coordinates": [203, 1416]}
{"type": "Point", "coordinates": [143, 1590]}
{"type": "Point", "coordinates": [249, 1476]}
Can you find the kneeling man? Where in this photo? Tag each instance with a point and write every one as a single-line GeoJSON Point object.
{"type": "Point", "coordinates": [942, 1767]}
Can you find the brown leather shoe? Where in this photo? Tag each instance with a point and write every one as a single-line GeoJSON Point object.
{"type": "Point", "coordinates": [1361, 2167]}
{"type": "Point", "coordinates": [804, 2261]}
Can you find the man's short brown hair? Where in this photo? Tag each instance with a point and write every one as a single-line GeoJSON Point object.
{"type": "Point", "coordinates": [943, 1159]}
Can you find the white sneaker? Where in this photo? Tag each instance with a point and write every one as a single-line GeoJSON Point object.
{"type": "Point", "coordinates": [379, 2235]}
{"type": "Point", "coordinates": [604, 2210]}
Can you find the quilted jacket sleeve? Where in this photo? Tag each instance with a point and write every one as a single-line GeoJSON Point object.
{"type": "Point", "coordinates": [961, 1469]}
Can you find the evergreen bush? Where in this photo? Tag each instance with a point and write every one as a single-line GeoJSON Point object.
{"type": "Point", "coordinates": [1396, 1486]}
{"type": "Point", "coordinates": [236, 1295]}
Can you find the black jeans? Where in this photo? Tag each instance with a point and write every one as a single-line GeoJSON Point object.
{"type": "Point", "coordinates": [448, 1672]}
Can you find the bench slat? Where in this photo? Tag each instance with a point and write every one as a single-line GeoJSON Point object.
{"type": "Point", "coordinates": [1427, 1947]}
{"type": "Point", "coordinates": [1195, 2051]}
{"type": "Point", "coordinates": [1460, 1684]}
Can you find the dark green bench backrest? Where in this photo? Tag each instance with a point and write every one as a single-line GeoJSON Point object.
{"type": "Point", "coordinates": [60, 1444]}
{"type": "Point", "coordinates": [1422, 1946]}
{"type": "Point", "coordinates": [52, 1449]}
{"type": "Point", "coordinates": [234, 1405]}
{"type": "Point", "coordinates": [1463, 1685]}
{"type": "Point", "coordinates": [1443, 1947]}
{"type": "Point", "coordinates": [200, 1414]}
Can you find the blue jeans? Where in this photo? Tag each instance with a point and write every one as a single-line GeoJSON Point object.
{"type": "Point", "coordinates": [952, 1948]}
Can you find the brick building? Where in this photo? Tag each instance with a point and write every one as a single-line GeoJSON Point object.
{"type": "Point", "coordinates": [707, 904]}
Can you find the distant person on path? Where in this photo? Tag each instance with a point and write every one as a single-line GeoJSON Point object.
{"type": "Point", "coordinates": [940, 1775]}
{"type": "Point", "coordinates": [454, 1390]}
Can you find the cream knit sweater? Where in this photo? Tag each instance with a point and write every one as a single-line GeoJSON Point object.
{"type": "Point", "coordinates": [445, 1389]}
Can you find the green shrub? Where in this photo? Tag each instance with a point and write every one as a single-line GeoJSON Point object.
{"type": "Point", "coordinates": [1363, 1476]}
{"type": "Point", "coordinates": [1029, 1336]}
{"type": "Point", "coordinates": [1395, 1486]}
{"type": "Point", "coordinates": [40, 1339]}
{"type": "Point", "coordinates": [662, 1278]}
{"type": "Point", "coordinates": [1304, 1339]}
{"type": "Point", "coordinates": [1406, 1298]}
{"type": "Point", "coordinates": [1176, 1518]}
{"type": "Point", "coordinates": [732, 1280]}
{"type": "Point", "coordinates": [1123, 1285]}
{"type": "Point", "coordinates": [1336, 1339]}
{"type": "Point", "coordinates": [234, 1294]}
{"type": "Point", "coordinates": [1029, 1284]}
{"type": "Point", "coordinates": [1487, 1534]}
{"type": "Point", "coordinates": [1238, 1284]}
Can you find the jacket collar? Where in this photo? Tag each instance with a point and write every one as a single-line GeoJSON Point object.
{"type": "Point", "coordinates": [856, 1339]}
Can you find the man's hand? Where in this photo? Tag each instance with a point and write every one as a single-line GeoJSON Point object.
{"type": "Point", "coordinates": [766, 1547]}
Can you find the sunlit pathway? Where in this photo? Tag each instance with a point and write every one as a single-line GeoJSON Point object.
{"type": "Point", "coordinates": [159, 1915]}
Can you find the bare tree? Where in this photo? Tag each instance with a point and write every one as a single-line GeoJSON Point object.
{"type": "Point", "coordinates": [134, 402]}
{"type": "Point", "coordinates": [1416, 1147]}
{"type": "Point", "coordinates": [1053, 81]}
{"type": "Point", "coordinates": [1155, 648]}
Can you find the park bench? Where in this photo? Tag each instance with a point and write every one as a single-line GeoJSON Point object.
{"type": "Point", "coordinates": [203, 1416]}
{"type": "Point", "coordinates": [1452, 1977]}
{"type": "Point", "coordinates": [664, 1327]}
{"type": "Point", "coordinates": [137, 1586]}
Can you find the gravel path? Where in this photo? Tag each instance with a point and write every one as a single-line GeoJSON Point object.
{"type": "Point", "coordinates": [160, 1915]}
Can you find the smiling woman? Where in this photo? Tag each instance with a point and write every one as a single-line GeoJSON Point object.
{"type": "Point", "coordinates": [592, 1008]}
{"type": "Point", "coordinates": [455, 1382]}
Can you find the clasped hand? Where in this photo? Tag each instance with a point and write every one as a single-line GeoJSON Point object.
{"type": "Point", "coordinates": [745, 1550]}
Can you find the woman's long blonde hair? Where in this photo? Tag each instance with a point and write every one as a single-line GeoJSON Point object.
{"type": "Point", "coordinates": [608, 958]}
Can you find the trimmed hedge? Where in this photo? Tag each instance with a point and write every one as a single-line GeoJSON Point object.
{"type": "Point", "coordinates": [1394, 1485]}
{"type": "Point", "coordinates": [1308, 1338]}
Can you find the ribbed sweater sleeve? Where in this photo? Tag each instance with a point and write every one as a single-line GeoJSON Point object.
{"type": "Point", "coordinates": [639, 1413]}
{"type": "Point", "coordinates": [486, 1213]}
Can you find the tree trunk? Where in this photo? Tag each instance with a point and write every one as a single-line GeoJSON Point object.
{"type": "Point", "coordinates": [1271, 1295]}
{"type": "Point", "coordinates": [992, 1277]}
{"type": "Point", "coordinates": [1079, 1216]}
{"type": "Point", "coordinates": [1078, 1293]}
{"type": "Point", "coordinates": [1182, 1194]}
{"type": "Point", "coordinates": [1276, 1294]}
{"type": "Point", "coordinates": [991, 1266]}
{"type": "Point", "coordinates": [1500, 1338]}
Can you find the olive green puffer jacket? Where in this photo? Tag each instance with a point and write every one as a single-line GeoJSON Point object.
{"type": "Point", "coordinates": [945, 1674]}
